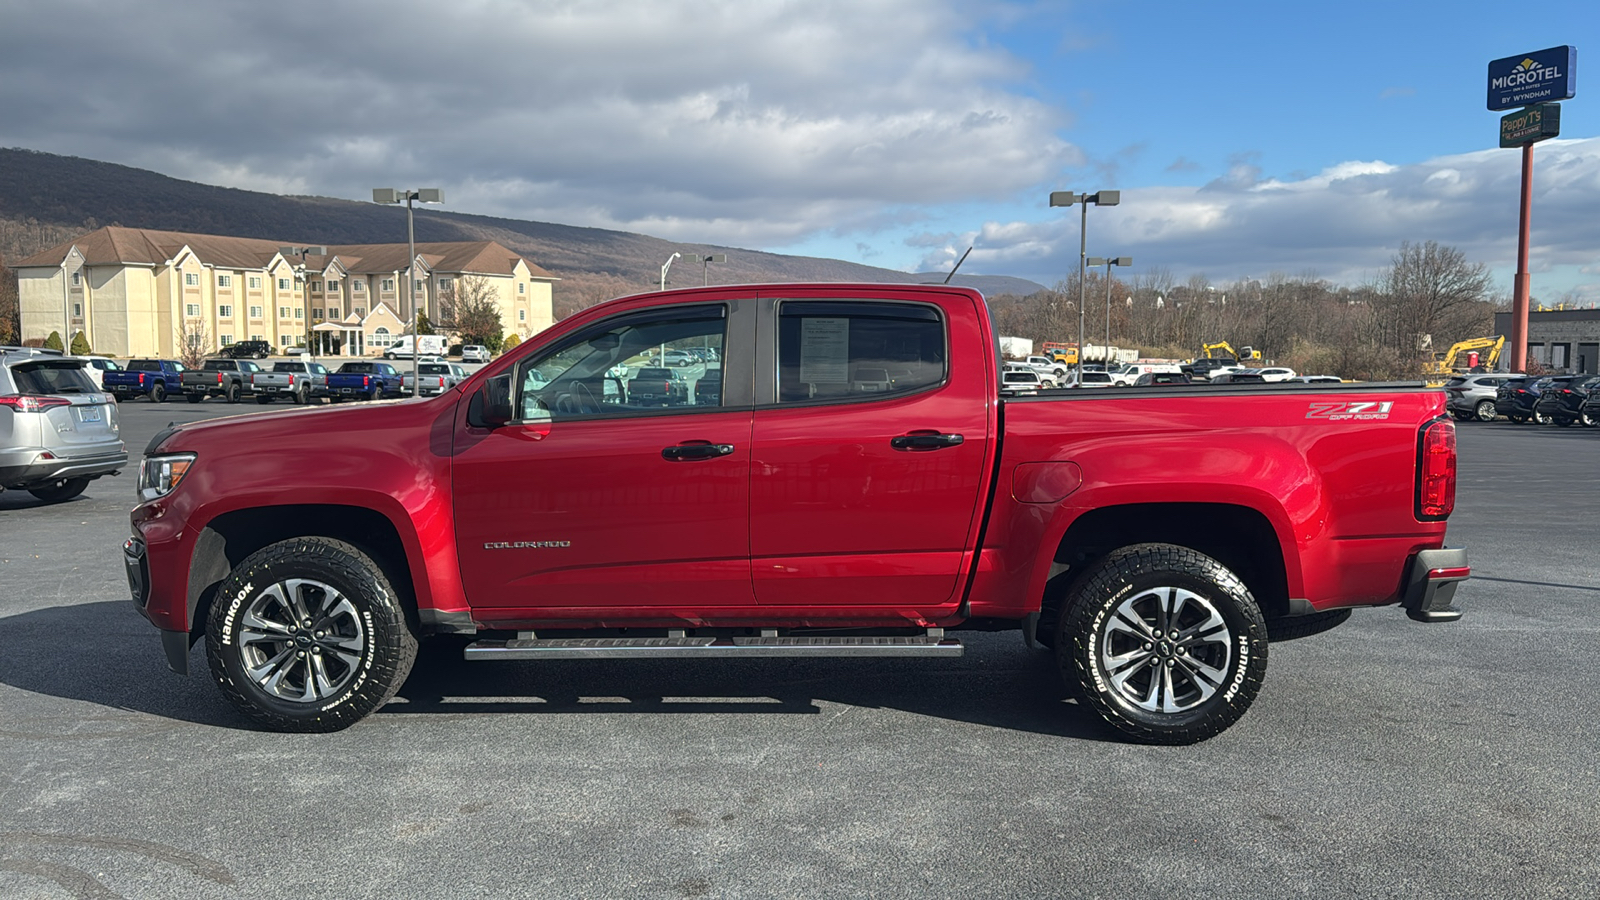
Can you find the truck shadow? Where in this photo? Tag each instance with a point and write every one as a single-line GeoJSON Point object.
{"type": "Point", "coordinates": [105, 654]}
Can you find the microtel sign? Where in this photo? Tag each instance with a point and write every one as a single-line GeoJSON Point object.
{"type": "Point", "coordinates": [1530, 78]}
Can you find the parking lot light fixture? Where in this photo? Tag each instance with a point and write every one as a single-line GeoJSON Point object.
{"type": "Point", "coordinates": [705, 260]}
{"type": "Point", "coordinates": [420, 195]}
{"type": "Point", "coordinates": [1068, 198]}
{"type": "Point", "coordinates": [665, 267]}
{"type": "Point", "coordinates": [1108, 262]}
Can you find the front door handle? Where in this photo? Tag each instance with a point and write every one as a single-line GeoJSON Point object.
{"type": "Point", "coordinates": [695, 450]}
{"type": "Point", "coordinates": [925, 440]}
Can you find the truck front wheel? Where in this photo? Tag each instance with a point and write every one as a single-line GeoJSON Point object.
{"type": "Point", "coordinates": [1164, 642]}
{"type": "Point", "coordinates": [306, 635]}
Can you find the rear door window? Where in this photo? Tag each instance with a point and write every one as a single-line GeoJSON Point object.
{"type": "Point", "coordinates": [858, 351]}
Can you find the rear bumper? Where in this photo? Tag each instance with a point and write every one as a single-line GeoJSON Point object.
{"type": "Point", "coordinates": [21, 472]}
{"type": "Point", "coordinates": [1430, 584]}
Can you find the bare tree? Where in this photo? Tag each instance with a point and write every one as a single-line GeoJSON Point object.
{"type": "Point", "coordinates": [1430, 289]}
{"type": "Point", "coordinates": [477, 312]}
{"type": "Point", "coordinates": [194, 342]}
{"type": "Point", "coordinates": [10, 307]}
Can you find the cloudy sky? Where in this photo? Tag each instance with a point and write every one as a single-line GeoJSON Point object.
{"type": "Point", "coordinates": [1247, 137]}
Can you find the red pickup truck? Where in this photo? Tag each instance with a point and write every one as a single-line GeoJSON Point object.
{"type": "Point", "coordinates": [855, 484]}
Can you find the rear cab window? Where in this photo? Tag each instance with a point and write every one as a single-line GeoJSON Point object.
{"type": "Point", "coordinates": [858, 350]}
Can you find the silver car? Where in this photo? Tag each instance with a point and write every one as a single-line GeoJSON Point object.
{"type": "Point", "coordinates": [58, 432]}
{"type": "Point", "coordinates": [1472, 396]}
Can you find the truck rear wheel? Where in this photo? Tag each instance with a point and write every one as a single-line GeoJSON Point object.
{"type": "Point", "coordinates": [158, 393]}
{"type": "Point", "coordinates": [306, 635]}
{"type": "Point", "coordinates": [1165, 643]}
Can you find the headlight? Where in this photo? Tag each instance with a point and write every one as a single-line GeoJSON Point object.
{"type": "Point", "coordinates": [158, 475]}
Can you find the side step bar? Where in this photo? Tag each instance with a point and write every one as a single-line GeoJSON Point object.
{"type": "Point", "coordinates": [934, 643]}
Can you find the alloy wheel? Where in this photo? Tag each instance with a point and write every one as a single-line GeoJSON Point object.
{"type": "Point", "coordinates": [301, 640]}
{"type": "Point", "coordinates": [1165, 649]}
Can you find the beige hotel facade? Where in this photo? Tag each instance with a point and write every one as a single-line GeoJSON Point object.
{"type": "Point", "coordinates": [136, 292]}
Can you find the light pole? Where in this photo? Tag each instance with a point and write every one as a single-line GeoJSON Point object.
{"type": "Point", "coordinates": [300, 276]}
{"type": "Point", "coordinates": [1108, 262]}
{"type": "Point", "coordinates": [421, 195]}
{"type": "Point", "coordinates": [705, 263]}
{"type": "Point", "coordinates": [1099, 198]}
{"type": "Point", "coordinates": [665, 267]}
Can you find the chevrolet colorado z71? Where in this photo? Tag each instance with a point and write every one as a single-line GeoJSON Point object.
{"type": "Point", "coordinates": [858, 484]}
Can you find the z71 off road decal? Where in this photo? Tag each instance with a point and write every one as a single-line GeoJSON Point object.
{"type": "Point", "coordinates": [1339, 412]}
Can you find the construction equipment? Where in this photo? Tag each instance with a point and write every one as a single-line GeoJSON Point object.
{"type": "Point", "coordinates": [1066, 354]}
{"type": "Point", "coordinates": [1459, 359]}
{"type": "Point", "coordinates": [1245, 356]}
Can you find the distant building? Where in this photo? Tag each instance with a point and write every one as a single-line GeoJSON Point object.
{"type": "Point", "coordinates": [1565, 340]}
{"type": "Point", "coordinates": [140, 292]}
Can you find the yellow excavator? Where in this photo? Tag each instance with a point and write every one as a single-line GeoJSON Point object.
{"type": "Point", "coordinates": [1224, 350]}
{"type": "Point", "coordinates": [1458, 359]}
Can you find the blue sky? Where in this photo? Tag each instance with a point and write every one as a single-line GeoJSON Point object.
{"type": "Point", "coordinates": [1247, 138]}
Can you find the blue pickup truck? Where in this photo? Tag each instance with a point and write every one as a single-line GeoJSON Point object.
{"type": "Point", "coordinates": [365, 381]}
{"type": "Point", "coordinates": [153, 378]}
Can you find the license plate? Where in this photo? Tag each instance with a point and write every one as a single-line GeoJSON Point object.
{"type": "Point", "coordinates": [347, 390]}
{"type": "Point", "coordinates": [89, 413]}
{"type": "Point", "coordinates": [270, 388]}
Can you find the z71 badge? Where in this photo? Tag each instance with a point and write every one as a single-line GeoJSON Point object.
{"type": "Point", "coordinates": [1339, 412]}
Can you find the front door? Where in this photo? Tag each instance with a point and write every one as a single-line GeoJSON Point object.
{"type": "Point", "coordinates": [866, 472]}
{"type": "Point", "coordinates": [591, 500]}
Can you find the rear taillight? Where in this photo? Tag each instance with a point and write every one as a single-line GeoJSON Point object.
{"type": "Point", "coordinates": [441, 381]}
{"type": "Point", "coordinates": [219, 378]}
{"type": "Point", "coordinates": [366, 380]}
{"type": "Point", "coordinates": [291, 379]}
{"type": "Point", "coordinates": [141, 378]}
{"type": "Point", "coordinates": [1436, 470]}
{"type": "Point", "coordinates": [26, 403]}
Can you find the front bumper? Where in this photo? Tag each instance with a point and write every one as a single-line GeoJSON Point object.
{"type": "Point", "coordinates": [1430, 584]}
{"type": "Point", "coordinates": [136, 565]}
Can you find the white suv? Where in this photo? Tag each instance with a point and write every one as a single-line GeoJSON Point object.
{"type": "Point", "coordinates": [475, 353]}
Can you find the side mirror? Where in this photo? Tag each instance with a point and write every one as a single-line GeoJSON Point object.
{"type": "Point", "coordinates": [490, 407]}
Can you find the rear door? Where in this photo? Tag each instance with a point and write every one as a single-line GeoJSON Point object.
{"type": "Point", "coordinates": [871, 448]}
{"type": "Point", "coordinates": [588, 500]}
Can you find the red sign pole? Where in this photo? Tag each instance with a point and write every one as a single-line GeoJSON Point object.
{"type": "Point", "coordinates": [1519, 300]}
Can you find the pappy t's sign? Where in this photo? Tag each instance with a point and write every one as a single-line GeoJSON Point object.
{"type": "Point", "coordinates": [1530, 78]}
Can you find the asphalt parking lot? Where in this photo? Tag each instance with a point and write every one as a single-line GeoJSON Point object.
{"type": "Point", "coordinates": [1384, 758]}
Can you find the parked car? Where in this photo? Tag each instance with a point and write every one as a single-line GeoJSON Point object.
{"type": "Point", "coordinates": [1515, 398]}
{"type": "Point", "coordinates": [298, 380]}
{"type": "Point", "coordinates": [1591, 404]}
{"type": "Point", "coordinates": [1021, 381]}
{"type": "Point", "coordinates": [434, 379]}
{"type": "Point", "coordinates": [1563, 398]}
{"type": "Point", "coordinates": [657, 386]}
{"type": "Point", "coordinates": [246, 350]}
{"type": "Point", "coordinates": [153, 378]}
{"type": "Point", "coordinates": [1046, 367]}
{"type": "Point", "coordinates": [1089, 379]}
{"type": "Point", "coordinates": [674, 358]}
{"type": "Point", "coordinates": [96, 367]}
{"type": "Point", "coordinates": [475, 353]}
{"type": "Point", "coordinates": [364, 381]}
{"type": "Point", "coordinates": [1202, 369]}
{"type": "Point", "coordinates": [1153, 379]}
{"type": "Point", "coordinates": [58, 432]}
{"type": "Point", "coordinates": [1275, 374]}
{"type": "Point", "coordinates": [1237, 376]}
{"type": "Point", "coordinates": [1472, 396]}
{"type": "Point", "coordinates": [1317, 379]}
{"type": "Point", "coordinates": [226, 378]}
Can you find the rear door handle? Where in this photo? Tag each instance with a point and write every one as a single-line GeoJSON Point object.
{"type": "Point", "coordinates": [692, 450]}
{"type": "Point", "coordinates": [925, 440]}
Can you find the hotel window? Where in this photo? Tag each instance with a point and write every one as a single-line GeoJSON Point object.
{"type": "Point", "coordinates": [416, 285]}
{"type": "Point", "coordinates": [299, 312]}
{"type": "Point", "coordinates": [333, 287]}
{"type": "Point", "coordinates": [387, 285]}
{"type": "Point", "coordinates": [77, 309]}
{"type": "Point", "coordinates": [446, 284]}
{"type": "Point", "coordinates": [190, 279]}
{"type": "Point", "coordinates": [283, 312]}
{"type": "Point", "coordinates": [316, 285]}
{"type": "Point", "coordinates": [316, 312]}
{"type": "Point", "coordinates": [358, 286]}
{"type": "Point", "coordinates": [225, 339]}
{"type": "Point", "coordinates": [283, 284]}
{"type": "Point", "coordinates": [333, 312]}
{"type": "Point", "coordinates": [77, 279]}
{"type": "Point", "coordinates": [522, 288]}
{"type": "Point", "coordinates": [283, 340]}
{"type": "Point", "coordinates": [361, 312]}
{"type": "Point", "coordinates": [522, 315]}
{"type": "Point", "coordinates": [255, 313]}
{"type": "Point", "coordinates": [225, 281]}
{"type": "Point", "coordinates": [191, 309]}
{"type": "Point", "coordinates": [224, 312]}
{"type": "Point", "coordinates": [255, 285]}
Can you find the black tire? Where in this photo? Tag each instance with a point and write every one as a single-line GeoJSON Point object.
{"type": "Point", "coordinates": [194, 398]}
{"type": "Point", "coordinates": [303, 397]}
{"type": "Point", "coordinates": [1294, 627]}
{"type": "Point", "coordinates": [233, 393]}
{"type": "Point", "coordinates": [355, 617]}
{"type": "Point", "coordinates": [1486, 411]}
{"type": "Point", "coordinates": [1211, 638]}
{"type": "Point", "coordinates": [377, 394]}
{"type": "Point", "coordinates": [158, 394]}
{"type": "Point", "coordinates": [1564, 423]}
{"type": "Point", "coordinates": [61, 490]}
{"type": "Point", "coordinates": [263, 399]}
